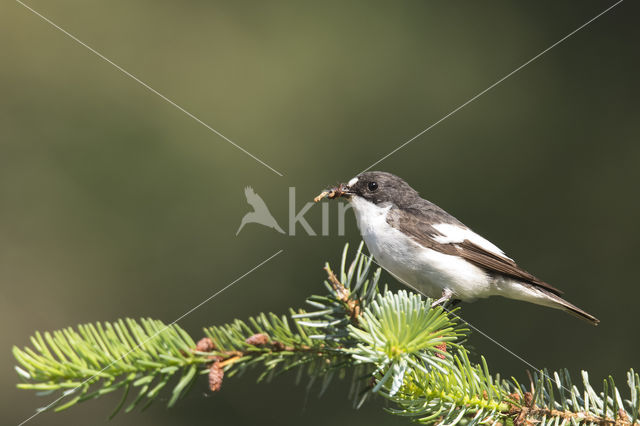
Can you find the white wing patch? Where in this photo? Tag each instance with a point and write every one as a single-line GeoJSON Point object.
{"type": "Point", "coordinates": [456, 234]}
{"type": "Point", "coordinates": [353, 181]}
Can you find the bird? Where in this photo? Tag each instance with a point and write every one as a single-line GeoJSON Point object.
{"type": "Point", "coordinates": [260, 213]}
{"type": "Point", "coordinates": [426, 248]}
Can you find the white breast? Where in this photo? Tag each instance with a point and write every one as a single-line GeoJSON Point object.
{"type": "Point", "coordinates": [416, 266]}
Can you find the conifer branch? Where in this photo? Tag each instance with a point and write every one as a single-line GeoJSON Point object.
{"type": "Point", "coordinates": [392, 344]}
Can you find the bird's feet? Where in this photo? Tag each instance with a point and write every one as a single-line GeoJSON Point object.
{"type": "Point", "coordinates": [447, 300]}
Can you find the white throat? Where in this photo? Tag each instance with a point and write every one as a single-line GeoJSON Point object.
{"type": "Point", "coordinates": [371, 218]}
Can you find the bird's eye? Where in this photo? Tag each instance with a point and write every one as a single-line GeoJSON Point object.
{"type": "Point", "coordinates": [372, 186]}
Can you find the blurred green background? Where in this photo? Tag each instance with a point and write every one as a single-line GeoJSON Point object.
{"type": "Point", "coordinates": [113, 203]}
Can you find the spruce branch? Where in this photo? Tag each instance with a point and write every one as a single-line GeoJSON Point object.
{"type": "Point", "coordinates": [392, 344]}
{"type": "Point", "coordinates": [100, 358]}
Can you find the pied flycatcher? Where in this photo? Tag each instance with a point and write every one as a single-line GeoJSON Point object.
{"type": "Point", "coordinates": [426, 248]}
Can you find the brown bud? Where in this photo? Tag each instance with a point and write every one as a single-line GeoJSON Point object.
{"type": "Point", "coordinates": [514, 408]}
{"type": "Point", "coordinates": [259, 339]}
{"type": "Point", "coordinates": [216, 373]}
{"type": "Point", "coordinates": [443, 348]}
{"type": "Point", "coordinates": [528, 399]}
{"type": "Point", "coordinates": [205, 345]}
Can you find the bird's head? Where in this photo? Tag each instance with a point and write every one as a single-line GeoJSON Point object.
{"type": "Point", "coordinates": [379, 188]}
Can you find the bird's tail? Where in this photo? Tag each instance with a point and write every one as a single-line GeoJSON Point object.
{"type": "Point", "coordinates": [575, 311]}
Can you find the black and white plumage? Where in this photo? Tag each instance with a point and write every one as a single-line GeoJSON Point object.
{"type": "Point", "coordinates": [425, 247]}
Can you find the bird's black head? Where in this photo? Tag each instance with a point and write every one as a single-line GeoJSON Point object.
{"type": "Point", "coordinates": [381, 188]}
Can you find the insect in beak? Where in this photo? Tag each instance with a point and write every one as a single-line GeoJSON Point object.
{"type": "Point", "coordinates": [341, 190]}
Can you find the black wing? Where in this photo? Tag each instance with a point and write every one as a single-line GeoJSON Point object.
{"type": "Point", "coordinates": [418, 224]}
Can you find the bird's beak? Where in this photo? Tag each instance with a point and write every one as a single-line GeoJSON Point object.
{"type": "Point", "coordinates": [341, 190]}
